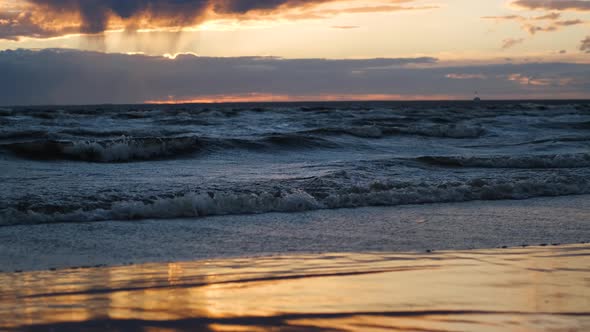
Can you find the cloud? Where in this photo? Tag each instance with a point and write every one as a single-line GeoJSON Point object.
{"type": "Point", "coordinates": [530, 24]}
{"type": "Point", "coordinates": [505, 18]}
{"type": "Point", "coordinates": [15, 24]}
{"type": "Point", "coordinates": [76, 77]}
{"type": "Point", "coordinates": [585, 45]}
{"type": "Point", "coordinates": [345, 27]}
{"type": "Point", "coordinates": [511, 42]}
{"type": "Point", "coordinates": [576, 5]}
{"type": "Point", "coordinates": [95, 14]}
{"type": "Point", "coordinates": [550, 16]}
{"type": "Point", "coordinates": [533, 29]}
{"type": "Point", "coordinates": [531, 80]}
{"type": "Point", "coordinates": [466, 76]}
{"type": "Point", "coordinates": [49, 18]}
{"type": "Point", "coordinates": [569, 22]}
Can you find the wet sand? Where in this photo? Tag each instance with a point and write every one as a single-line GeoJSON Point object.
{"type": "Point", "coordinates": [517, 289]}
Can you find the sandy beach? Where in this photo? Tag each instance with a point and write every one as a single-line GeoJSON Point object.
{"type": "Point", "coordinates": [515, 289]}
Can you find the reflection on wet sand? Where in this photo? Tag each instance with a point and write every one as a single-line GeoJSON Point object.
{"type": "Point", "coordinates": [523, 289]}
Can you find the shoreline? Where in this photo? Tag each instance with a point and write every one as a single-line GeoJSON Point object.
{"type": "Point", "coordinates": [286, 255]}
{"type": "Point", "coordinates": [415, 228]}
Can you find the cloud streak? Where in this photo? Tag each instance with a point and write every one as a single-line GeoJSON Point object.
{"type": "Point", "coordinates": [345, 27]}
{"type": "Point", "coordinates": [549, 22]}
{"type": "Point", "coordinates": [530, 24]}
{"type": "Point", "coordinates": [511, 42]}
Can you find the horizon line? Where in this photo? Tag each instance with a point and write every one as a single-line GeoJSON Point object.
{"type": "Point", "coordinates": [494, 100]}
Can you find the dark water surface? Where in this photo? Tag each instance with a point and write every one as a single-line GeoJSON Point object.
{"type": "Point", "coordinates": [124, 162]}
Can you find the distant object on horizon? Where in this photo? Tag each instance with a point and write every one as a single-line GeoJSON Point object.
{"type": "Point", "coordinates": [476, 98]}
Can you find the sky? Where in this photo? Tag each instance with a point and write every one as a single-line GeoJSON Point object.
{"type": "Point", "coordinates": [275, 50]}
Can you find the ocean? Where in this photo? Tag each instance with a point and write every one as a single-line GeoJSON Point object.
{"type": "Point", "coordinates": [61, 164]}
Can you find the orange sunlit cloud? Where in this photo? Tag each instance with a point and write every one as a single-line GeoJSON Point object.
{"type": "Point", "coordinates": [266, 97]}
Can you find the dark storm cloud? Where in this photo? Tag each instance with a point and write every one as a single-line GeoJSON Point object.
{"type": "Point", "coordinates": [95, 13]}
{"type": "Point", "coordinates": [244, 6]}
{"type": "Point", "coordinates": [75, 77]}
{"type": "Point", "coordinates": [58, 17]}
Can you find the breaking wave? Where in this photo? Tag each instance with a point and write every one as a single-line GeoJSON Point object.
{"type": "Point", "coordinates": [309, 197]}
{"type": "Point", "coordinates": [119, 150]}
{"type": "Point", "coordinates": [126, 149]}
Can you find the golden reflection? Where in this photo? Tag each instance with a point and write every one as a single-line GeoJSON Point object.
{"type": "Point", "coordinates": [174, 273]}
{"type": "Point", "coordinates": [521, 289]}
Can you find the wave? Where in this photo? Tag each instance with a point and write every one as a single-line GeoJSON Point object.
{"type": "Point", "coordinates": [553, 140]}
{"type": "Point", "coordinates": [291, 141]}
{"type": "Point", "coordinates": [584, 125]}
{"type": "Point", "coordinates": [445, 131]}
{"type": "Point", "coordinates": [117, 150]}
{"type": "Point", "coordinates": [114, 134]}
{"type": "Point", "coordinates": [188, 205]}
{"type": "Point", "coordinates": [24, 134]}
{"type": "Point", "coordinates": [532, 161]}
{"type": "Point", "coordinates": [362, 131]}
{"type": "Point", "coordinates": [433, 130]}
{"type": "Point", "coordinates": [127, 149]}
{"type": "Point", "coordinates": [311, 196]}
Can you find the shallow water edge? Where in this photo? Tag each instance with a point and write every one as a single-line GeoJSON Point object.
{"type": "Point", "coordinates": [470, 225]}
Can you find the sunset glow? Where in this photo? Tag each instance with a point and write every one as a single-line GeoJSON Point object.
{"type": "Point", "coordinates": [334, 29]}
{"type": "Point", "coordinates": [261, 97]}
{"type": "Point", "coordinates": [454, 32]}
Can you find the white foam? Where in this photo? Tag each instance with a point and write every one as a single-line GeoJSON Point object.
{"type": "Point", "coordinates": [396, 193]}
{"type": "Point", "coordinates": [189, 205]}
